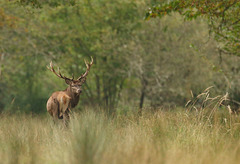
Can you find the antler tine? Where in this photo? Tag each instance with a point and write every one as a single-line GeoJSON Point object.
{"type": "Point", "coordinates": [50, 66]}
{"type": "Point", "coordinates": [91, 61]}
{"type": "Point", "coordinates": [52, 69]}
{"type": "Point", "coordinates": [59, 73]}
{"type": "Point", "coordinates": [88, 65]}
{"type": "Point", "coordinates": [62, 76]}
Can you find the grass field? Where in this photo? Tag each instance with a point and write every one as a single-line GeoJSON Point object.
{"type": "Point", "coordinates": [93, 137]}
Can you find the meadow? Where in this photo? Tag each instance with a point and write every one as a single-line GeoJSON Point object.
{"type": "Point", "coordinates": [162, 136]}
{"type": "Point", "coordinates": [134, 106]}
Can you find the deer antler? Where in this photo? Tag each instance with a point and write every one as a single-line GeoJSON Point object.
{"type": "Point", "coordinates": [88, 65]}
{"type": "Point", "coordinates": [59, 73]}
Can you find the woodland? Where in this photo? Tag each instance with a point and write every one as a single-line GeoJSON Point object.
{"type": "Point", "coordinates": [140, 61]}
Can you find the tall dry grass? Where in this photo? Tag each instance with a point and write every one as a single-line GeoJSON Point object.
{"type": "Point", "coordinates": [92, 137]}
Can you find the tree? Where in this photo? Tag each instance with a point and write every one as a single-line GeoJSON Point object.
{"type": "Point", "coordinates": [165, 66]}
{"type": "Point", "coordinates": [223, 17]}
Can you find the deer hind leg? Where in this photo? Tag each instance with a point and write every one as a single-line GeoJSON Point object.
{"type": "Point", "coordinates": [55, 116]}
{"type": "Point", "coordinates": [66, 115]}
{"type": "Point", "coordinates": [55, 110]}
{"type": "Point", "coordinates": [66, 118]}
{"type": "Point", "coordinates": [64, 104]}
{"type": "Point", "coordinates": [60, 113]}
{"type": "Point", "coordinates": [52, 108]}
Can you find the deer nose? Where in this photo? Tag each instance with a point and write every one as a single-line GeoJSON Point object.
{"type": "Point", "coordinates": [79, 91]}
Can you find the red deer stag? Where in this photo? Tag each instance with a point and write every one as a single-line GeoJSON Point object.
{"type": "Point", "coordinates": [60, 102]}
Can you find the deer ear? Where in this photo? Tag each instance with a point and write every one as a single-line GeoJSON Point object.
{"type": "Point", "coordinates": [69, 82]}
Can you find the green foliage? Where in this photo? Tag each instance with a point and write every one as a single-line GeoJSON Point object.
{"type": "Point", "coordinates": [68, 34]}
{"type": "Point", "coordinates": [136, 63]}
{"type": "Point", "coordinates": [222, 15]}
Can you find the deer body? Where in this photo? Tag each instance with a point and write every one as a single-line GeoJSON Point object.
{"type": "Point", "coordinates": [60, 102]}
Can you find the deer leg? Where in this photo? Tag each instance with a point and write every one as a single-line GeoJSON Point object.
{"type": "Point", "coordinates": [60, 114]}
{"type": "Point", "coordinates": [56, 115]}
{"type": "Point", "coordinates": [66, 118]}
{"type": "Point", "coordinates": [55, 111]}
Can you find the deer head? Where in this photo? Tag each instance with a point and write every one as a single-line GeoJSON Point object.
{"type": "Point", "coordinates": [75, 85]}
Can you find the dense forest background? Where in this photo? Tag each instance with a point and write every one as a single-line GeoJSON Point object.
{"type": "Point", "coordinates": [137, 62]}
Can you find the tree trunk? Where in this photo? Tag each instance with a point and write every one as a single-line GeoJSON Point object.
{"type": "Point", "coordinates": [143, 91]}
{"type": "Point", "coordinates": [98, 88]}
{"type": "Point", "coordinates": [142, 98]}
